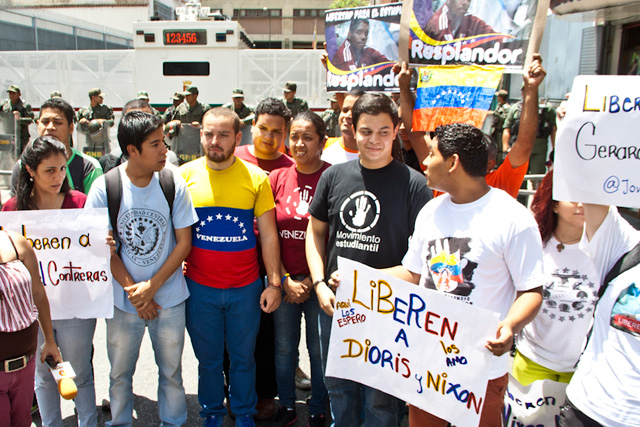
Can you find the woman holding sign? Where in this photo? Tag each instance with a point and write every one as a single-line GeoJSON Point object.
{"type": "Point", "coordinates": [293, 189]}
{"type": "Point", "coordinates": [42, 184]}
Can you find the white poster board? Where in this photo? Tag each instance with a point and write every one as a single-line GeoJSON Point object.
{"type": "Point", "coordinates": [597, 153]}
{"type": "Point", "coordinates": [73, 258]}
{"type": "Point", "coordinates": [422, 347]}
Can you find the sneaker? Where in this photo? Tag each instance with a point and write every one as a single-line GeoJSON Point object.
{"type": "Point", "coordinates": [303, 382]}
{"type": "Point", "coordinates": [245, 421]}
{"type": "Point", "coordinates": [265, 409]}
{"type": "Point", "coordinates": [214, 421]}
{"type": "Point", "coordinates": [285, 417]}
{"type": "Point", "coordinates": [316, 420]}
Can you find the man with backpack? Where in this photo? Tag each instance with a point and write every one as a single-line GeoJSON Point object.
{"type": "Point", "coordinates": [151, 214]}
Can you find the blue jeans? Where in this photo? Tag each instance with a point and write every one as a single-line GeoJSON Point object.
{"type": "Point", "coordinates": [287, 331]}
{"type": "Point", "coordinates": [124, 336]}
{"type": "Point", "coordinates": [346, 397]}
{"type": "Point", "coordinates": [213, 317]}
{"type": "Point", "coordinates": [74, 338]}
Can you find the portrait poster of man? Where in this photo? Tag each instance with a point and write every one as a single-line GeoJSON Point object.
{"type": "Point", "coordinates": [482, 32]}
{"type": "Point", "coordinates": [362, 46]}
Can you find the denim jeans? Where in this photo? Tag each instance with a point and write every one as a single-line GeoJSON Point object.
{"type": "Point", "coordinates": [75, 339]}
{"type": "Point", "coordinates": [346, 397]}
{"type": "Point", "coordinates": [216, 316]}
{"type": "Point", "coordinates": [124, 336]}
{"type": "Point", "coordinates": [287, 320]}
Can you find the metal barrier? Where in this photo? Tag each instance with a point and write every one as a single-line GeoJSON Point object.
{"type": "Point", "coordinates": [531, 183]}
{"type": "Point", "coordinates": [9, 136]}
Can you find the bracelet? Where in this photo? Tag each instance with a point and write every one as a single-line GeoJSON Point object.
{"type": "Point", "coordinates": [284, 278]}
{"type": "Point", "coordinates": [274, 286]}
{"type": "Point", "coordinates": [316, 283]}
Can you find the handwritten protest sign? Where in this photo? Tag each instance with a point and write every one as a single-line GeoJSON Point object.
{"type": "Point", "coordinates": [597, 153]}
{"type": "Point", "coordinates": [410, 342]}
{"type": "Point", "coordinates": [362, 46]}
{"type": "Point", "coordinates": [482, 32]}
{"type": "Point", "coordinates": [537, 404]}
{"type": "Point", "coordinates": [73, 258]}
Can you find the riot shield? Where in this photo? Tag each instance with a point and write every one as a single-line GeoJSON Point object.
{"type": "Point", "coordinates": [95, 144]}
{"type": "Point", "coordinates": [9, 134]}
{"type": "Point", "coordinates": [185, 142]}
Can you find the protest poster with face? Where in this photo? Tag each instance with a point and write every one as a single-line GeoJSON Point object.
{"type": "Point", "coordinates": [362, 46]}
{"type": "Point", "coordinates": [482, 32]}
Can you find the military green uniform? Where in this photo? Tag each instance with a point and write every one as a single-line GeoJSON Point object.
{"type": "Point", "coordinates": [156, 113]}
{"type": "Point", "coordinates": [499, 115]}
{"type": "Point", "coordinates": [186, 114]}
{"type": "Point", "coordinates": [101, 111]}
{"type": "Point", "coordinates": [546, 126]}
{"type": "Point", "coordinates": [26, 118]}
{"type": "Point", "coordinates": [245, 113]}
{"type": "Point", "coordinates": [330, 118]}
{"type": "Point", "coordinates": [168, 114]}
{"type": "Point", "coordinates": [297, 106]}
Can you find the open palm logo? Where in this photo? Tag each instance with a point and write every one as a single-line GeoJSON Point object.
{"type": "Point", "coordinates": [360, 212]}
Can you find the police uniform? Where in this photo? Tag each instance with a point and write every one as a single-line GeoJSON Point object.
{"type": "Point", "coordinates": [330, 119]}
{"type": "Point", "coordinates": [26, 118]}
{"type": "Point", "coordinates": [297, 106]}
{"type": "Point", "coordinates": [186, 114]}
{"type": "Point", "coordinates": [245, 113]}
{"type": "Point", "coordinates": [101, 111]}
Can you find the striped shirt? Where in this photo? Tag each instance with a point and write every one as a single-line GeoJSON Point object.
{"type": "Point", "coordinates": [17, 310]}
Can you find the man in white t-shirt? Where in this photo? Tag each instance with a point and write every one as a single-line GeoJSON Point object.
{"type": "Point", "coordinates": [344, 148]}
{"type": "Point", "coordinates": [477, 245]}
{"type": "Point", "coordinates": [148, 286]}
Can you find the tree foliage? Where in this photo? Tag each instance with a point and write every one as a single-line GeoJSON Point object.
{"type": "Point", "coordinates": [341, 4]}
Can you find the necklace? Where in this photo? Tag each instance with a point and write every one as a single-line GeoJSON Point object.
{"type": "Point", "coordinates": [55, 205]}
{"type": "Point", "coordinates": [560, 246]}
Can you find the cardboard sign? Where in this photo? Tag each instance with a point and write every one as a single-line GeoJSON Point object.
{"type": "Point", "coordinates": [597, 153]}
{"type": "Point", "coordinates": [362, 47]}
{"type": "Point", "coordinates": [410, 342]}
{"type": "Point", "coordinates": [73, 258]}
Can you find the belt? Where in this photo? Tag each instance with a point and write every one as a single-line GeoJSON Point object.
{"type": "Point", "coordinates": [13, 365]}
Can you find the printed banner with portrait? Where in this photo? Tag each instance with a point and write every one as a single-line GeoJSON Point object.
{"type": "Point", "coordinates": [481, 32]}
{"type": "Point", "coordinates": [413, 343]}
{"type": "Point", "coordinates": [362, 47]}
{"type": "Point", "coordinates": [73, 258]}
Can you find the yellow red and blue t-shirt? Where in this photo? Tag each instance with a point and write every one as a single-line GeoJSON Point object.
{"type": "Point", "coordinates": [223, 253]}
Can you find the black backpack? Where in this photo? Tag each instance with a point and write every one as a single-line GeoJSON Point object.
{"type": "Point", "coordinates": [113, 184]}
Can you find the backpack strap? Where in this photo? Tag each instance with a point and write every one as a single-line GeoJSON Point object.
{"type": "Point", "coordinates": [113, 185]}
{"type": "Point", "coordinates": [168, 186]}
{"type": "Point", "coordinates": [627, 261]}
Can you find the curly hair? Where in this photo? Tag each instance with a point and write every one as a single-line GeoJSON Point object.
{"type": "Point", "coordinates": [40, 149]}
{"type": "Point", "coordinates": [468, 142]}
{"type": "Point", "coordinates": [542, 207]}
{"type": "Point", "coordinates": [273, 107]}
{"type": "Point", "coordinates": [315, 120]}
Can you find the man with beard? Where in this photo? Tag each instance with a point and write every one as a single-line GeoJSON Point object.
{"type": "Point", "coordinates": [222, 268]}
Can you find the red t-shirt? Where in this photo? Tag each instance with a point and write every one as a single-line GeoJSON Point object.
{"type": "Point", "coordinates": [293, 192]}
{"type": "Point", "coordinates": [266, 165]}
{"type": "Point", "coordinates": [72, 200]}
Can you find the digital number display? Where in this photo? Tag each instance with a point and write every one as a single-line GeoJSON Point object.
{"type": "Point", "coordinates": [185, 37]}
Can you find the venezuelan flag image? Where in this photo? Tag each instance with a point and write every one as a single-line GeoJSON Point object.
{"type": "Point", "coordinates": [454, 94]}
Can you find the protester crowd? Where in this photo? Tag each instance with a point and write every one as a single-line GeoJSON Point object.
{"type": "Point", "coordinates": [236, 246]}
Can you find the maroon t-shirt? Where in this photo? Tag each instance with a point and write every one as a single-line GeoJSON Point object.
{"type": "Point", "coordinates": [72, 200]}
{"type": "Point", "coordinates": [242, 152]}
{"type": "Point", "coordinates": [293, 192]}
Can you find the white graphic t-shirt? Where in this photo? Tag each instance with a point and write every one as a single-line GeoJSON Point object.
{"type": "Point", "coordinates": [555, 338]}
{"type": "Point", "coordinates": [146, 234]}
{"type": "Point", "coordinates": [606, 385]}
{"type": "Point", "coordinates": [479, 253]}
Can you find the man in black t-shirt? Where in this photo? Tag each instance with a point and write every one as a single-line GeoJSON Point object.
{"type": "Point", "coordinates": [368, 207]}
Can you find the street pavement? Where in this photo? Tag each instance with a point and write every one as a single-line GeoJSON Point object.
{"type": "Point", "coordinates": [145, 383]}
